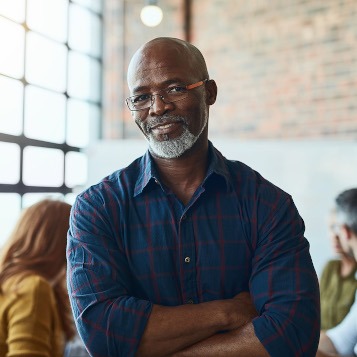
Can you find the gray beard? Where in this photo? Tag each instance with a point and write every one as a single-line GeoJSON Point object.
{"type": "Point", "coordinates": [173, 148]}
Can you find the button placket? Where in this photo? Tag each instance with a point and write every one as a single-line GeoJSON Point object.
{"type": "Point", "coordinates": [188, 258]}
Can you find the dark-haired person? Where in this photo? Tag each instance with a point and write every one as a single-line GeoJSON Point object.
{"type": "Point", "coordinates": [186, 253]}
{"type": "Point", "coordinates": [338, 283]}
{"type": "Point", "coordinates": [35, 317]}
{"type": "Point", "coordinates": [342, 339]}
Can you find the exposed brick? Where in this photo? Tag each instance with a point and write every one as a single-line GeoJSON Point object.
{"type": "Point", "coordinates": [284, 69]}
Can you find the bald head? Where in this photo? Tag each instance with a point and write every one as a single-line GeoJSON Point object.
{"type": "Point", "coordinates": [158, 51]}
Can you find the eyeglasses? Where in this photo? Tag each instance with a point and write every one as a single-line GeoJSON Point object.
{"type": "Point", "coordinates": [168, 95]}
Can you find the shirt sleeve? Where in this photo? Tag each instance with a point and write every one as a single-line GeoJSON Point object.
{"type": "Point", "coordinates": [109, 319]}
{"type": "Point", "coordinates": [344, 335]}
{"type": "Point", "coordinates": [283, 283]}
{"type": "Point", "coordinates": [30, 320]}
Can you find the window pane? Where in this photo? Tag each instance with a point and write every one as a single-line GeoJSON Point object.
{"type": "Point", "coordinates": [94, 5]}
{"type": "Point", "coordinates": [10, 209]}
{"type": "Point", "coordinates": [70, 198]}
{"type": "Point", "coordinates": [45, 115]}
{"type": "Point", "coordinates": [12, 44]}
{"type": "Point", "coordinates": [48, 17]}
{"type": "Point", "coordinates": [43, 167]}
{"type": "Point", "coordinates": [29, 199]}
{"type": "Point", "coordinates": [83, 77]}
{"type": "Point", "coordinates": [9, 163]}
{"type": "Point", "coordinates": [84, 31]}
{"type": "Point", "coordinates": [76, 169]}
{"type": "Point", "coordinates": [46, 62]}
{"type": "Point", "coordinates": [11, 108]}
{"type": "Point", "coordinates": [82, 119]}
{"type": "Point", "coordinates": [13, 9]}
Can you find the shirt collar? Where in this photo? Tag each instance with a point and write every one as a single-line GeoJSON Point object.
{"type": "Point", "coordinates": [217, 165]}
{"type": "Point", "coordinates": [147, 171]}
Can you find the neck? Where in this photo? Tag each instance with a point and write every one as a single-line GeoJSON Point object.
{"type": "Point", "coordinates": [184, 174]}
{"type": "Point", "coordinates": [348, 264]}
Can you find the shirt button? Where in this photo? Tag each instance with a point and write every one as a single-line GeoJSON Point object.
{"type": "Point", "coordinates": [187, 259]}
{"type": "Point", "coordinates": [156, 181]}
{"type": "Point", "coordinates": [184, 217]}
{"type": "Point", "coordinates": [189, 301]}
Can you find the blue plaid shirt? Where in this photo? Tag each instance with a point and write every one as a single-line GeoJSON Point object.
{"type": "Point", "coordinates": [132, 244]}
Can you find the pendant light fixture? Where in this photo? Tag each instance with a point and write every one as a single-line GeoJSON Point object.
{"type": "Point", "coordinates": [151, 14]}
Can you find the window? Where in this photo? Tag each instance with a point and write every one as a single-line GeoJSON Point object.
{"type": "Point", "coordinates": [50, 99]}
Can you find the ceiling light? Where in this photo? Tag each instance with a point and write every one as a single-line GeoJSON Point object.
{"type": "Point", "coordinates": [151, 14]}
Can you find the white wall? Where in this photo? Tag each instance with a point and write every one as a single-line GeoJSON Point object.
{"type": "Point", "coordinates": [313, 172]}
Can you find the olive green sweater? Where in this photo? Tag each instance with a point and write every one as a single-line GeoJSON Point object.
{"type": "Point", "coordinates": [337, 294]}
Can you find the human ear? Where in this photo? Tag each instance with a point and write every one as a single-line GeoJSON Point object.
{"type": "Point", "coordinates": [211, 92]}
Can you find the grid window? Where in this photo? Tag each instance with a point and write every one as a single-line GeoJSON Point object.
{"type": "Point", "coordinates": [46, 62]}
{"type": "Point", "coordinates": [8, 216]}
{"type": "Point", "coordinates": [82, 122]}
{"type": "Point", "coordinates": [12, 43]}
{"type": "Point", "coordinates": [76, 169]}
{"type": "Point", "coordinates": [43, 167]}
{"type": "Point", "coordinates": [9, 159]}
{"type": "Point", "coordinates": [50, 107]}
{"type": "Point", "coordinates": [94, 5]}
{"type": "Point", "coordinates": [84, 77]}
{"type": "Point", "coordinates": [88, 40]}
{"type": "Point", "coordinates": [11, 108]}
{"type": "Point", "coordinates": [45, 114]}
{"type": "Point", "coordinates": [13, 9]}
{"type": "Point", "coordinates": [48, 18]}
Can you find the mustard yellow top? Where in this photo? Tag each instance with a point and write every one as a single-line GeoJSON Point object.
{"type": "Point", "coordinates": [29, 320]}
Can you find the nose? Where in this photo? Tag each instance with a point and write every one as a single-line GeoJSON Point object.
{"type": "Point", "coordinates": [159, 106]}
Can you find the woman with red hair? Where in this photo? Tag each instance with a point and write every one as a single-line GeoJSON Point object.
{"type": "Point", "coordinates": [35, 317]}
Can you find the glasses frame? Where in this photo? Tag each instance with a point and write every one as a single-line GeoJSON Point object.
{"type": "Point", "coordinates": [152, 100]}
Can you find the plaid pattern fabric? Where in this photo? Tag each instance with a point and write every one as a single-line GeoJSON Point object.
{"type": "Point", "coordinates": [132, 244]}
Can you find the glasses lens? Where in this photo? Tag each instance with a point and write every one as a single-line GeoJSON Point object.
{"type": "Point", "coordinates": [144, 101]}
{"type": "Point", "coordinates": [176, 95]}
{"type": "Point", "coordinates": [139, 102]}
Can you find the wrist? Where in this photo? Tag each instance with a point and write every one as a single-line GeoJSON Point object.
{"type": "Point", "coordinates": [228, 315]}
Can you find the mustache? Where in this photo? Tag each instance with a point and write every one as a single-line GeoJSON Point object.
{"type": "Point", "coordinates": [148, 125]}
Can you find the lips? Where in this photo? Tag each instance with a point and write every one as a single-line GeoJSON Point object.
{"type": "Point", "coordinates": [165, 128]}
{"type": "Point", "coordinates": [165, 125]}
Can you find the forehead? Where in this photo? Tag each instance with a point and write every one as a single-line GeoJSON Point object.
{"type": "Point", "coordinates": [156, 65]}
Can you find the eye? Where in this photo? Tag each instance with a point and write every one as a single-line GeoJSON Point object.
{"type": "Point", "coordinates": [176, 90]}
{"type": "Point", "coordinates": [140, 98]}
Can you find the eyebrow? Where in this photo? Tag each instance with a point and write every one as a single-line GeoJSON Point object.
{"type": "Point", "coordinates": [164, 84]}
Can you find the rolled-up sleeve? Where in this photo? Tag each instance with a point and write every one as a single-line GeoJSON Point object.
{"type": "Point", "coordinates": [109, 320]}
{"type": "Point", "coordinates": [284, 284]}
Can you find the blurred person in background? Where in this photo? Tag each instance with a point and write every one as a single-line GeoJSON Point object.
{"type": "Point", "coordinates": [35, 318]}
{"type": "Point", "coordinates": [342, 339]}
{"type": "Point", "coordinates": [338, 283]}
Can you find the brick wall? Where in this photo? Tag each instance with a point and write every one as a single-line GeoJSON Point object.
{"type": "Point", "coordinates": [284, 68]}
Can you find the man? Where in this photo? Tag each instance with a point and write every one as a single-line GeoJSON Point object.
{"type": "Point", "coordinates": [184, 253]}
{"type": "Point", "coordinates": [337, 282]}
{"type": "Point", "coordinates": [342, 339]}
